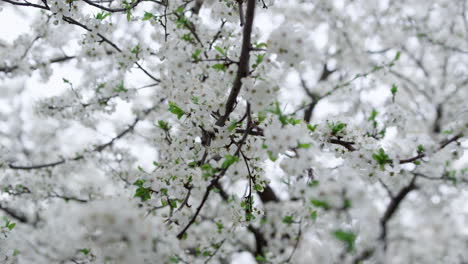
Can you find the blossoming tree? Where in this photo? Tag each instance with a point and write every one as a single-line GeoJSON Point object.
{"type": "Point", "coordinates": [224, 131]}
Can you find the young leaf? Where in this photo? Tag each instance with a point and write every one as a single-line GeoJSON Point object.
{"type": "Point", "coordinates": [220, 50]}
{"type": "Point", "coordinates": [320, 203]}
{"type": "Point", "coordinates": [228, 161]}
{"type": "Point", "coordinates": [135, 49]}
{"type": "Point", "coordinates": [346, 237]}
{"type": "Point", "coordinates": [196, 55]}
{"type": "Point", "coordinates": [381, 157]}
{"type": "Point", "coordinates": [102, 15]}
{"type": "Point", "coordinates": [11, 226]}
{"type": "Point", "coordinates": [163, 125]}
{"type": "Point", "coordinates": [85, 251]}
{"type": "Point", "coordinates": [397, 56]}
{"type": "Point", "coordinates": [258, 187]}
{"type": "Point", "coordinates": [288, 219]}
{"type": "Point", "coordinates": [147, 16]}
{"type": "Point", "coordinates": [394, 89]}
{"type": "Point", "coordinates": [173, 108]}
{"type": "Point", "coordinates": [311, 127]}
{"type": "Point", "coordinates": [219, 67]}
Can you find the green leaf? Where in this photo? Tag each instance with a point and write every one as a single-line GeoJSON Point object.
{"type": "Point", "coordinates": [143, 193]}
{"type": "Point", "coordinates": [258, 60]}
{"type": "Point", "coordinates": [85, 251]}
{"type": "Point", "coordinates": [139, 183]}
{"type": "Point", "coordinates": [421, 148]}
{"type": "Point", "coordinates": [173, 203]}
{"type": "Point", "coordinates": [65, 80]}
{"type": "Point", "coordinates": [147, 16]}
{"type": "Point", "coordinates": [320, 203]}
{"type": "Point", "coordinates": [220, 226]}
{"type": "Point", "coordinates": [129, 15]}
{"type": "Point", "coordinates": [196, 55]}
{"type": "Point", "coordinates": [382, 158]}
{"type": "Point", "coordinates": [336, 128]}
{"type": "Point", "coordinates": [220, 50]}
{"type": "Point", "coordinates": [261, 259]}
{"type": "Point", "coordinates": [188, 37]}
{"type": "Point", "coordinates": [346, 237]}
{"type": "Point", "coordinates": [135, 49]}
{"type": "Point", "coordinates": [219, 67]}
{"type": "Point", "coordinates": [228, 161]}
{"type": "Point", "coordinates": [173, 108]}
{"type": "Point", "coordinates": [314, 215]}
{"type": "Point", "coordinates": [120, 88]}
{"type": "Point", "coordinates": [372, 118]}
{"type": "Point", "coordinates": [249, 217]}
{"type": "Point", "coordinates": [11, 226]}
{"type": "Point", "coordinates": [261, 116]}
{"type": "Point", "coordinates": [373, 115]}
{"type": "Point", "coordinates": [288, 219]}
{"type": "Point", "coordinates": [102, 15]}
{"type": "Point", "coordinates": [163, 125]}
{"type": "Point", "coordinates": [193, 164]}
{"type": "Point", "coordinates": [260, 45]}
{"type": "Point", "coordinates": [232, 126]}
{"type": "Point", "coordinates": [421, 35]}
{"type": "Point", "coordinates": [397, 56]}
{"type": "Point", "coordinates": [272, 156]}
{"type": "Point", "coordinates": [258, 187]}
{"type": "Point", "coordinates": [174, 259]}
{"type": "Point", "coordinates": [180, 9]}
{"type": "Point", "coordinates": [347, 204]}
{"type": "Point", "coordinates": [283, 118]}
{"type": "Point", "coordinates": [311, 127]}
{"type": "Point", "coordinates": [303, 145]}
{"type": "Point", "coordinates": [394, 89]}
{"type": "Point", "coordinates": [294, 121]}
{"type": "Point", "coordinates": [313, 183]}
{"type": "Point", "coordinates": [16, 252]}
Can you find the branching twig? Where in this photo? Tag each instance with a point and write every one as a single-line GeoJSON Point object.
{"type": "Point", "coordinates": [393, 207]}
{"type": "Point", "coordinates": [113, 10]}
{"type": "Point", "coordinates": [243, 70]}
{"type": "Point", "coordinates": [98, 148]}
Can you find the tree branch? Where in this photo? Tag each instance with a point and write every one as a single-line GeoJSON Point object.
{"type": "Point", "coordinates": [26, 4]}
{"type": "Point", "coordinates": [113, 10]}
{"type": "Point", "coordinates": [243, 70]}
{"type": "Point", "coordinates": [12, 213]}
{"type": "Point", "coordinates": [98, 148]}
{"type": "Point", "coordinates": [393, 207]}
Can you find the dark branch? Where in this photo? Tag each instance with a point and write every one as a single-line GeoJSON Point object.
{"type": "Point", "coordinates": [26, 4]}
{"type": "Point", "coordinates": [113, 10]}
{"type": "Point", "coordinates": [98, 148]}
{"type": "Point", "coordinates": [34, 67]}
{"type": "Point", "coordinates": [393, 207]}
{"type": "Point", "coordinates": [243, 70]}
{"type": "Point", "coordinates": [14, 214]}
{"type": "Point", "coordinates": [347, 144]}
{"type": "Point", "coordinates": [443, 144]}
